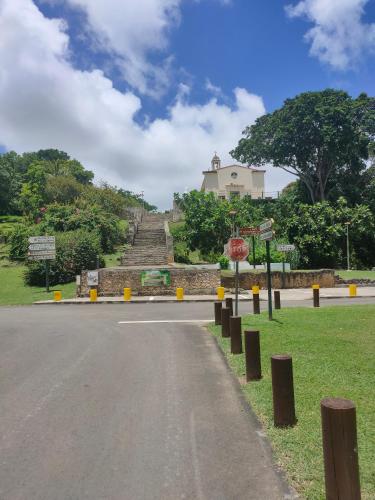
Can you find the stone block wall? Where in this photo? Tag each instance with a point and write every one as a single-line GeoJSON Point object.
{"type": "Point", "coordinates": [112, 282]}
{"type": "Point", "coordinates": [294, 279]}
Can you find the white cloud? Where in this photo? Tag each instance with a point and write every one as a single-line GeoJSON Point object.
{"type": "Point", "coordinates": [45, 102]}
{"type": "Point", "coordinates": [340, 37]}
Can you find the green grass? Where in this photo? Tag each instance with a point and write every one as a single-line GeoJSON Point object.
{"type": "Point", "coordinates": [333, 352]}
{"type": "Point", "coordinates": [347, 275]}
{"type": "Point", "coordinates": [113, 259]}
{"type": "Point", "coordinates": [14, 292]}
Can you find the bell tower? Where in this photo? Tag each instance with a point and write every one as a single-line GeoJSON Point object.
{"type": "Point", "coordinates": [215, 162]}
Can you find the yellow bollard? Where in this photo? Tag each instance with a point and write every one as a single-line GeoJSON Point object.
{"type": "Point", "coordinates": [93, 295]}
{"type": "Point", "coordinates": [57, 296]}
{"type": "Point", "coordinates": [255, 289]}
{"type": "Point", "coordinates": [127, 294]}
{"type": "Point", "coordinates": [316, 287]}
{"type": "Point", "coordinates": [220, 293]}
{"type": "Point", "coordinates": [180, 294]}
{"type": "Point", "coordinates": [352, 290]}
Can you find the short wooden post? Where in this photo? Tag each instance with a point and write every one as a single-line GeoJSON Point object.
{"type": "Point", "coordinates": [339, 429]}
{"type": "Point", "coordinates": [283, 391]}
{"type": "Point", "coordinates": [276, 295]}
{"type": "Point", "coordinates": [218, 307]}
{"type": "Point", "coordinates": [235, 335]}
{"type": "Point", "coordinates": [316, 296]}
{"type": "Point", "coordinates": [225, 328]}
{"type": "Point", "coordinates": [229, 303]}
{"type": "Point", "coordinates": [252, 355]}
{"type": "Point", "coordinates": [256, 302]}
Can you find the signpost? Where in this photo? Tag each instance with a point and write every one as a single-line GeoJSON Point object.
{"type": "Point", "coordinates": [266, 234]}
{"type": "Point", "coordinates": [251, 231]}
{"type": "Point", "coordinates": [282, 247]}
{"type": "Point", "coordinates": [238, 250]}
{"type": "Point", "coordinates": [42, 248]}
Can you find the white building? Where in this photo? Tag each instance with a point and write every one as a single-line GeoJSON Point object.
{"type": "Point", "coordinates": [233, 180]}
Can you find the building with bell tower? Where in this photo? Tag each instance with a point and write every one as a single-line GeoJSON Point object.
{"type": "Point", "coordinates": [233, 180]}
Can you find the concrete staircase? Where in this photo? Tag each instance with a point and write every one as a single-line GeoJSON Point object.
{"type": "Point", "coordinates": [149, 247]}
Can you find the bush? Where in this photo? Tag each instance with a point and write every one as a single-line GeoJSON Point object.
{"type": "Point", "coordinates": [181, 253]}
{"type": "Point", "coordinates": [75, 251]}
{"type": "Point", "coordinates": [18, 241]}
{"type": "Point", "coordinates": [224, 262]}
{"type": "Point", "coordinates": [70, 218]}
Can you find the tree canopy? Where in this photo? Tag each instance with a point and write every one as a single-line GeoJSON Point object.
{"type": "Point", "coordinates": [324, 138]}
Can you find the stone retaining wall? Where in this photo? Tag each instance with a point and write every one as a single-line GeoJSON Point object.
{"type": "Point", "coordinates": [112, 282]}
{"type": "Point", "coordinates": [294, 279]}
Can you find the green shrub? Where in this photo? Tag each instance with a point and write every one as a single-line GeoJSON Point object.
{"type": "Point", "coordinates": [181, 252]}
{"type": "Point", "coordinates": [223, 262]}
{"type": "Point", "coordinates": [70, 218]}
{"type": "Point", "coordinates": [18, 241]}
{"type": "Point", "coordinates": [75, 251]}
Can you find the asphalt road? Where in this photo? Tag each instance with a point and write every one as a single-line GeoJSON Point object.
{"type": "Point", "coordinates": [97, 409]}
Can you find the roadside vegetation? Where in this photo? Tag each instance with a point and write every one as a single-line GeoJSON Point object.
{"type": "Point", "coordinates": [333, 349]}
{"type": "Point", "coordinates": [49, 193]}
{"type": "Point", "coordinates": [326, 139]}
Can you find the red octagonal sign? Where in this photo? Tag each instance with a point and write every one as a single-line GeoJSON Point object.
{"type": "Point", "coordinates": [238, 249]}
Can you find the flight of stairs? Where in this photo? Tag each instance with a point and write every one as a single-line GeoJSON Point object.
{"type": "Point", "coordinates": [149, 247]}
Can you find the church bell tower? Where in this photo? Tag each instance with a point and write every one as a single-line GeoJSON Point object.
{"type": "Point", "coordinates": [215, 162]}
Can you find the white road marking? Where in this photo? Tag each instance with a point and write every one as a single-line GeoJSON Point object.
{"type": "Point", "coordinates": [166, 321]}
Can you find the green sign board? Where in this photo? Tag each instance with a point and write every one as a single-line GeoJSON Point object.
{"type": "Point", "coordinates": [156, 278]}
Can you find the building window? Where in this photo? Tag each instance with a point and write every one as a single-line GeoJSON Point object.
{"type": "Point", "coordinates": [234, 194]}
{"type": "Point", "coordinates": [234, 175]}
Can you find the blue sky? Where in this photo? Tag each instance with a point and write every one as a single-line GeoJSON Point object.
{"type": "Point", "coordinates": [144, 91]}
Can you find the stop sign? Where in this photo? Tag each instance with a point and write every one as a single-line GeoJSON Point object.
{"type": "Point", "coordinates": [238, 249]}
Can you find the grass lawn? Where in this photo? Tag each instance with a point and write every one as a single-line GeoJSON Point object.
{"type": "Point", "coordinates": [333, 353]}
{"type": "Point", "coordinates": [113, 259]}
{"type": "Point", "coordinates": [14, 292]}
{"type": "Point", "coordinates": [347, 275]}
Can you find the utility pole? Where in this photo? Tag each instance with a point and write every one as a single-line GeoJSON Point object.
{"type": "Point", "coordinates": [347, 245]}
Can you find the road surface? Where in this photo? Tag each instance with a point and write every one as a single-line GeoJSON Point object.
{"type": "Point", "coordinates": [95, 406]}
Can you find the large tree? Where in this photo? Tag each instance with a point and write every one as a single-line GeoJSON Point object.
{"type": "Point", "coordinates": [317, 136]}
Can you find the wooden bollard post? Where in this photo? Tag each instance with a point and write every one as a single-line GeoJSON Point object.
{"type": "Point", "coordinates": [256, 301]}
{"type": "Point", "coordinates": [316, 296]}
{"type": "Point", "coordinates": [340, 451]}
{"type": "Point", "coordinates": [218, 306]}
{"type": "Point", "coordinates": [283, 391]}
{"type": "Point", "coordinates": [276, 294]}
{"type": "Point", "coordinates": [235, 335]}
{"type": "Point", "coordinates": [252, 355]}
{"type": "Point", "coordinates": [229, 304]}
{"type": "Point", "coordinates": [225, 328]}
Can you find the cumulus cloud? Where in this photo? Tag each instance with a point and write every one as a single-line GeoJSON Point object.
{"type": "Point", "coordinates": [340, 37]}
{"type": "Point", "coordinates": [45, 102]}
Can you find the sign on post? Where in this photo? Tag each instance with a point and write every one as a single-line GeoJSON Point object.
{"type": "Point", "coordinates": [249, 231]}
{"type": "Point", "coordinates": [238, 249]}
{"type": "Point", "coordinates": [285, 248]}
{"type": "Point", "coordinates": [42, 248]}
{"type": "Point", "coordinates": [266, 234]}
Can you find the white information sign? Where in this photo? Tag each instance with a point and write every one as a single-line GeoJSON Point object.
{"type": "Point", "coordinates": [42, 239]}
{"type": "Point", "coordinates": [267, 236]}
{"type": "Point", "coordinates": [35, 247]}
{"type": "Point", "coordinates": [266, 225]}
{"type": "Point", "coordinates": [285, 248]}
{"type": "Point", "coordinates": [42, 248]}
{"type": "Point", "coordinates": [92, 278]}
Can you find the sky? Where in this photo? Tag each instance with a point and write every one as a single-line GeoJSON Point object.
{"type": "Point", "coordinates": [143, 92]}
